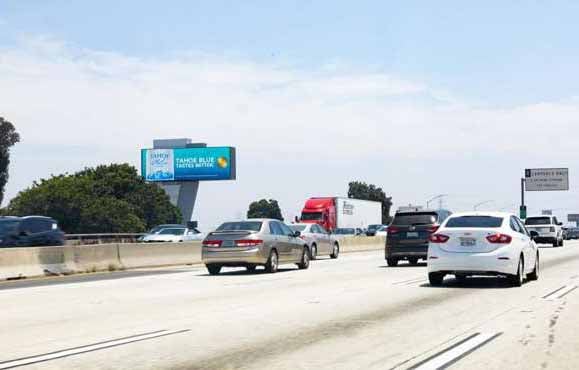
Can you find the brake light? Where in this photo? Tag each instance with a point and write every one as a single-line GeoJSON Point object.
{"type": "Point", "coordinates": [433, 229]}
{"type": "Point", "coordinates": [393, 230]}
{"type": "Point", "coordinates": [499, 239]}
{"type": "Point", "coordinates": [212, 243]}
{"type": "Point", "coordinates": [438, 238]}
{"type": "Point", "coordinates": [248, 243]}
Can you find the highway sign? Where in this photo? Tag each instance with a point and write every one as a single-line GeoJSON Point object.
{"type": "Point", "coordinates": [547, 212]}
{"type": "Point", "coordinates": [547, 179]}
{"type": "Point", "coordinates": [573, 217]}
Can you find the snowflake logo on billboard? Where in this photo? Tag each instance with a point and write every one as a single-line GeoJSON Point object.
{"type": "Point", "coordinates": [160, 165]}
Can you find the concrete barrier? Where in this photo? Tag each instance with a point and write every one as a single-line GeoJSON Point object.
{"type": "Point", "coordinates": [159, 254]}
{"type": "Point", "coordinates": [361, 243]}
{"type": "Point", "coordinates": [42, 261]}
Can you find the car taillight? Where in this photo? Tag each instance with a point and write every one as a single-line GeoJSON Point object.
{"type": "Point", "coordinates": [212, 243]}
{"type": "Point", "coordinates": [499, 239]}
{"type": "Point", "coordinates": [438, 238]}
{"type": "Point", "coordinates": [248, 243]}
{"type": "Point", "coordinates": [393, 230]}
{"type": "Point", "coordinates": [433, 229]}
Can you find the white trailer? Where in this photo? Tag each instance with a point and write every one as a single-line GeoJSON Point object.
{"type": "Point", "coordinates": [356, 213]}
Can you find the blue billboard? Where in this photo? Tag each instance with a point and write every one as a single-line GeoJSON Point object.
{"type": "Point", "coordinates": [188, 164]}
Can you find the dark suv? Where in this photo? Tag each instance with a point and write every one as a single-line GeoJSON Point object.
{"type": "Point", "coordinates": [408, 235]}
{"type": "Point", "coordinates": [29, 231]}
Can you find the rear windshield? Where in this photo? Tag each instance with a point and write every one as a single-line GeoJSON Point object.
{"type": "Point", "coordinates": [297, 227]}
{"type": "Point", "coordinates": [240, 226]}
{"type": "Point", "coordinates": [415, 218]}
{"type": "Point", "coordinates": [538, 221]}
{"type": "Point", "coordinates": [475, 221]}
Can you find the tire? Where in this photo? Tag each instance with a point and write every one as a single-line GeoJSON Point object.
{"type": "Point", "coordinates": [250, 269]}
{"type": "Point", "coordinates": [305, 262]}
{"type": "Point", "coordinates": [272, 263]}
{"type": "Point", "coordinates": [435, 278]}
{"type": "Point", "coordinates": [534, 275]}
{"type": "Point", "coordinates": [556, 243]}
{"type": "Point", "coordinates": [392, 262]}
{"type": "Point", "coordinates": [335, 251]}
{"type": "Point", "coordinates": [314, 252]}
{"type": "Point", "coordinates": [562, 243]}
{"type": "Point", "coordinates": [517, 279]}
{"type": "Point", "coordinates": [413, 261]}
{"type": "Point", "coordinates": [214, 269]}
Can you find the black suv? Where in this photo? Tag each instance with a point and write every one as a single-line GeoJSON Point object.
{"type": "Point", "coordinates": [408, 235]}
{"type": "Point", "coordinates": [29, 231]}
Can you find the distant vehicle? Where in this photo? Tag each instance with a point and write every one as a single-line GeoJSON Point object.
{"type": "Point", "coordinates": [320, 241]}
{"type": "Point", "coordinates": [372, 229]}
{"type": "Point", "coordinates": [30, 231]}
{"type": "Point", "coordinates": [408, 235]}
{"type": "Point", "coordinates": [483, 243]}
{"type": "Point", "coordinates": [382, 231]}
{"type": "Point", "coordinates": [348, 231]}
{"type": "Point", "coordinates": [549, 229]}
{"type": "Point", "coordinates": [573, 233]}
{"type": "Point", "coordinates": [252, 243]}
{"type": "Point", "coordinates": [172, 234]}
{"type": "Point", "coordinates": [338, 213]}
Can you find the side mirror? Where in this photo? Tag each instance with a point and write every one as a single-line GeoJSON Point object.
{"type": "Point", "coordinates": [560, 224]}
{"type": "Point", "coordinates": [534, 234]}
{"type": "Point", "coordinates": [296, 234]}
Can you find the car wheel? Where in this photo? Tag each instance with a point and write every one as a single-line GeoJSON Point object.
{"type": "Point", "coordinates": [335, 251]}
{"type": "Point", "coordinates": [517, 279]}
{"type": "Point", "coordinates": [305, 262]}
{"type": "Point", "coordinates": [250, 269]}
{"type": "Point", "coordinates": [314, 252]}
{"type": "Point", "coordinates": [413, 261]}
{"type": "Point", "coordinates": [562, 243]}
{"type": "Point", "coordinates": [534, 275]}
{"type": "Point", "coordinates": [213, 269]}
{"type": "Point", "coordinates": [435, 278]}
{"type": "Point", "coordinates": [272, 262]}
{"type": "Point", "coordinates": [392, 262]}
{"type": "Point", "coordinates": [556, 243]}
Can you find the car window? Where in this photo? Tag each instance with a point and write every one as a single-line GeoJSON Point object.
{"type": "Point", "coordinates": [285, 229]}
{"type": "Point", "coordinates": [316, 229]}
{"type": "Point", "coordinates": [515, 226]}
{"type": "Point", "coordinates": [522, 226]}
{"type": "Point", "coordinates": [275, 229]}
{"type": "Point", "coordinates": [241, 226]}
{"type": "Point", "coordinates": [475, 221]}
{"type": "Point", "coordinates": [172, 232]}
{"type": "Point", "coordinates": [8, 227]}
{"type": "Point", "coordinates": [532, 221]}
{"type": "Point", "coordinates": [415, 218]}
{"type": "Point", "coordinates": [299, 228]}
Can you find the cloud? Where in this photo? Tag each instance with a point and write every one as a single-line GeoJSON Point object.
{"type": "Point", "coordinates": [312, 129]}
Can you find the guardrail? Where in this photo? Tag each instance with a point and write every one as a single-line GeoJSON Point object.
{"type": "Point", "coordinates": [91, 239]}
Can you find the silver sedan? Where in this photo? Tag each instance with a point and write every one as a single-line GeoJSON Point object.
{"type": "Point", "coordinates": [320, 241]}
{"type": "Point", "coordinates": [252, 243]}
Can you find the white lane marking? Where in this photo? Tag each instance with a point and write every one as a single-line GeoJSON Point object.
{"type": "Point", "coordinates": [85, 349]}
{"type": "Point", "coordinates": [448, 357]}
{"type": "Point", "coordinates": [560, 293]}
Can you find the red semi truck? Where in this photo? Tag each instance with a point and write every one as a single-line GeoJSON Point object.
{"type": "Point", "coordinates": [335, 212]}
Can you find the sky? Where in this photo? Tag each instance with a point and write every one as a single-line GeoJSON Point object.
{"type": "Point", "coordinates": [420, 98]}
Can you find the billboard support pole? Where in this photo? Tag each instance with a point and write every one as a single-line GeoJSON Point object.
{"type": "Point", "coordinates": [523, 209]}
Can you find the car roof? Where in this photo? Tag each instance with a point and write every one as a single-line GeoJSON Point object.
{"type": "Point", "coordinates": [540, 216]}
{"type": "Point", "coordinates": [27, 218]}
{"type": "Point", "coordinates": [482, 213]}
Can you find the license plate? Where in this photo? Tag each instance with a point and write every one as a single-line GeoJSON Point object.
{"type": "Point", "coordinates": [228, 243]}
{"type": "Point", "coordinates": [467, 242]}
{"type": "Point", "coordinates": [412, 235]}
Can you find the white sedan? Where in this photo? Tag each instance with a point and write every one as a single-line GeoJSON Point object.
{"type": "Point", "coordinates": [483, 243]}
{"type": "Point", "coordinates": [173, 235]}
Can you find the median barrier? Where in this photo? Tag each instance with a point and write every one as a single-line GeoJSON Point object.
{"type": "Point", "coordinates": [92, 258]}
{"type": "Point", "coordinates": [18, 263]}
{"type": "Point", "coordinates": [361, 243]}
{"type": "Point", "coordinates": [159, 254]}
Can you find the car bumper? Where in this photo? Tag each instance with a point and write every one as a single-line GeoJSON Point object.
{"type": "Point", "coordinates": [546, 239]}
{"type": "Point", "coordinates": [500, 262]}
{"type": "Point", "coordinates": [253, 256]}
{"type": "Point", "coordinates": [404, 251]}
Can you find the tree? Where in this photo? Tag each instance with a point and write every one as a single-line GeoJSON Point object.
{"type": "Point", "coordinates": [8, 138]}
{"type": "Point", "coordinates": [361, 190]}
{"type": "Point", "coordinates": [105, 199]}
{"type": "Point", "coordinates": [265, 209]}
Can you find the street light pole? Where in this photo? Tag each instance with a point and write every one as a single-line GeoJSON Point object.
{"type": "Point", "coordinates": [482, 203]}
{"type": "Point", "coordinates": [439, 196]}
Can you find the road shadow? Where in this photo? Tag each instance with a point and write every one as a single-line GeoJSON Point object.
{"type": "Point", "coordinates": [243, 272]}
{"type": "Point", "coordinates": [478, 282]}
{"type": "Point", "coordinates": [403, 266]}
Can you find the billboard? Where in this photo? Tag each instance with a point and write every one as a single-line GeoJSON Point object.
{"type": "Point", "coordinates": [547, 179]}
{"type": "Point", "coordinates": [573, 217]}
{"type": "Point", "coordinates": [188, 164]}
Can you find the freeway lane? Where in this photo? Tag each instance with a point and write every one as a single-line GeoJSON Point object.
{"type": "Point", "coordinates": [353, 313]}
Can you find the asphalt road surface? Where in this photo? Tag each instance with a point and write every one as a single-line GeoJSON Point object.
{"type": "Point", "coordinates": [350, 313]}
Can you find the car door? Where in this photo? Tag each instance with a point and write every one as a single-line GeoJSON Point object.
{"type": "Point", "coordinates": [324, 238]}
{"type": "Point", "coordinates": [282, 243]}
{"type": "Point", "coordinates": [294, 245]}
{"type": "Point", "coordinates": [522, 240]}
{"type": "Point", "coordinates": [532, 249]}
